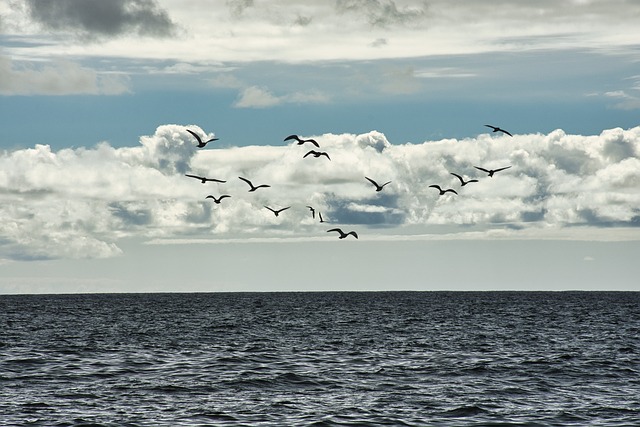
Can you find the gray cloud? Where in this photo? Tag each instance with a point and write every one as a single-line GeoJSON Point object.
{"type": "Point", "coordinates": [383, 13]}
{"type": "Point", "coordinates": [57, 78]}
{"type": "Point", "coordinates": [98, 18]}
{"type": "Point", "coordinates": [237, 7]}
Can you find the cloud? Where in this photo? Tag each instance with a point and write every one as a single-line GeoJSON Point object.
{"type": "Point", "coordinates": [261, 97]}
{"type": "Point", "coordinates": [237, 7]}
{"type": "Point", "coordinates": [383, 13]}
{"type": "Point", "coordinates": [91, 18]}
{"type": "Point", "coordinates": [81, 202]}
{"type": "Point", "coordinates": [57, 78]}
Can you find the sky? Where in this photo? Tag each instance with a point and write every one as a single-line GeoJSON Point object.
{"type": "Point", "coordinates": [96, 99]}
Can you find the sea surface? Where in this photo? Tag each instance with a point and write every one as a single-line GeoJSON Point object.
{"type": "Point", "coordinates": [321, 359]}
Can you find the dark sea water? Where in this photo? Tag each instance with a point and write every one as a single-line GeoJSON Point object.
{"type": "Point", "coordinates": [321, 359]}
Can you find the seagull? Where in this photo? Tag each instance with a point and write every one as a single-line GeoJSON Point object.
{"type": "Point", "coordinates": [443, 191]}
{"type": "Point", "coordinates": [200, 143]}
{"type": "Point", "coordinates": [302, 141]}
{"type": "Point", "coordinates": [378, 187]}
{"type": "Point", "coordinates": [219, 199]}
{"type": "Point", "coordinates": [462, 181]}
{"type": "Point", "coordinates": [277, 212]}
{"type": "Point", "coordinates": [320, 215]}
{"type": "Point", "coordinates": [313, 212]}
{"type": "Point", "coordinates": [204, 179]}
{"type": "Point", "coordinates": [317, 154]}
{"type": "Point", "coordinates": [253, 187]}
{"type": "Point", "coordinates": [491, 171]}
{"type": "Point", "coordinates": [497, 129]}
{"type": "Point", "coordinates": [343, 234]}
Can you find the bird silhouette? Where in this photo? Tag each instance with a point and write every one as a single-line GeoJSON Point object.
{"type": "Point", "coordinates": [378, 187]}
{"type": "Point", "coordinates": [343, 234]}
{"type": "Point", "coordinates": [204, 179]}
{"type": "Point", "coordinates": [462, 181]}
{"type": "Point", "coordinates": [277, 212]}
{"type": "Point", "coordinates": [491, 171]}
{"type": "Point", "coordinates": [253, 187]}
{"type": "Point", "coordinates": [317, 154]}
{"type": "Point", "coordinates": [443, 191]}
{"type": "Point", "coordinates": [497, 129]}
{"type": "Point", "coordinates": [219, 199]}
{"type": "Point", "coordinates": [200, 142]}
{"type": "Point", "coordinates": [302, 141]}
{"type": "Point", "coordinates": [313, 212]}
{"type": "Point", "coordinates": [320, 215]}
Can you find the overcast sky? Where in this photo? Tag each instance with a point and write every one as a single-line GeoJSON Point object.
{"type": "Point", "coordinates": [96, 98]}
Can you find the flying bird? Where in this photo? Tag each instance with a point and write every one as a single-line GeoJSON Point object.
{"type": "Point", "coordinates": [497, 129]}
{"type": "Point", "coordinates": [302, 141]}
{"type": "Point", "coordinates": [443, 191]}
{"type": "Point", "coordinates": [320, 215]}
{"type": "Point", "coordinates": [378, 187]}
{"type": "Point", "coordinates": [343, 234]}
{"type": "Point", "coordinates": [204, 179]}
{"type": "Point", "coordinates": [462, 181]}
{"type": "Point", "coordinates": [253, 187]}
{"type": "Point", "coordinates": [219, 199]}
{"type": "Point", "coordinates": [313, 212]}
{"type": "Point", "coordinates": [491, 171]}
{"type": "Point", "coordinates": [277, 212]}
{"type": "Point", "coordinates": [317, 154]}
{"type": "Point", "coordinates": [200, 142]}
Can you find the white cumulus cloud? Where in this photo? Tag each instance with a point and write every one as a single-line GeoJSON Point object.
{"type": "Point", "coordinates": [81, 202]}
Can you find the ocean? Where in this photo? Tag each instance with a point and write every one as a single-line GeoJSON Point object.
{"type": "Point", "coordinates": [321, 359]}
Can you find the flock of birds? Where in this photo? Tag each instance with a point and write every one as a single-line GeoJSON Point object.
{"type": "Point", "coordinates": [300, 141]}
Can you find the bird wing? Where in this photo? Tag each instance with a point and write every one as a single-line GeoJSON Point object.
{"type": "Point", "coordinates": [223, 196]}
{"type": "Point", "coordinates": [325, 154]}
{"type": "Point", "coordinates": [452, 190]}
{"type": "Point", "coordinates": [262, 186]}
{"type": "Point", "coordinates": [388, 182]}
{"type": "Point", "coordinates": [211, 140]}
{"type": "Point", "coordinates": [310, 152]}
{"type": "Point", "coordinates": [284, 209]}
{"type": "Point", "coordinates": [290, 137]}
{"type": "Point", "coordinates": [194, 176]}
{"type": "Point", "coordinates": [502, 130]}
{"type": "Point", "coordinates": [459, 177]}
{"type": "Point", "coordinates": [246, 180]}
{"type": "Point", "coordinates": [314, 142]}
{"type": "Point", "coordinates": [371, 181]}
{"type": "Point", "coordinates": [270, 209]}
{"type": "Point", "coordinates": [336, 229]}
{"type": "Point", "coordinates": [436, 186]}
{"type": "Point", "coordinates": [210, 197]}
{"type": "Point", "coordinates": [353, 233]}
{"type": "Point", "coordinates": [320, 215]}
{"type": "Point", "coordinates": [482, 169]}
{"type": "Point", "coordinates": [501, 169]}
{"type": "Point", "coordinates": [195, 135]}
{"type": "Point", "coordinates": [492, 127]}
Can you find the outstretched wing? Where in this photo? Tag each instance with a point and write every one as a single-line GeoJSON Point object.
{"type": "Point", "coordinates": [246, 180]}
{"type": "Point", "coordinates": [371, 181]}
{"type": "Point", "coordinates": [194, 176]}
{"type": "Point", "coordinates": [495, 129]}
{"type": "Point", "coordinates": [325, 154]}
{"type": "Point", "coordinates": [336, 229]}
{"type": "Point", "coordinates": [501, 169]}
{"type": "Point", "coordinates": [284, 209]}
{"type": "Point", "coordinates": [290, 137]}
{"type": "Point", "coordinates": [310, 152]}
{"type": "Point", "coordinates": [504, 131]}
{"type": "Point", "coordinates": [459, 177]}
{"type": "Point", "coordinates": [313, 141]}
{"type": "Point", "coordinates": [482, 169]}
{"type": "Point", "coordinates": [436, 186]}
{"type": "Point", "coordinates": [353, 233]}
{"type": "Point", "coordinates": [195, 135]}
{"type": "Point", "coordinates": [451, 190]}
